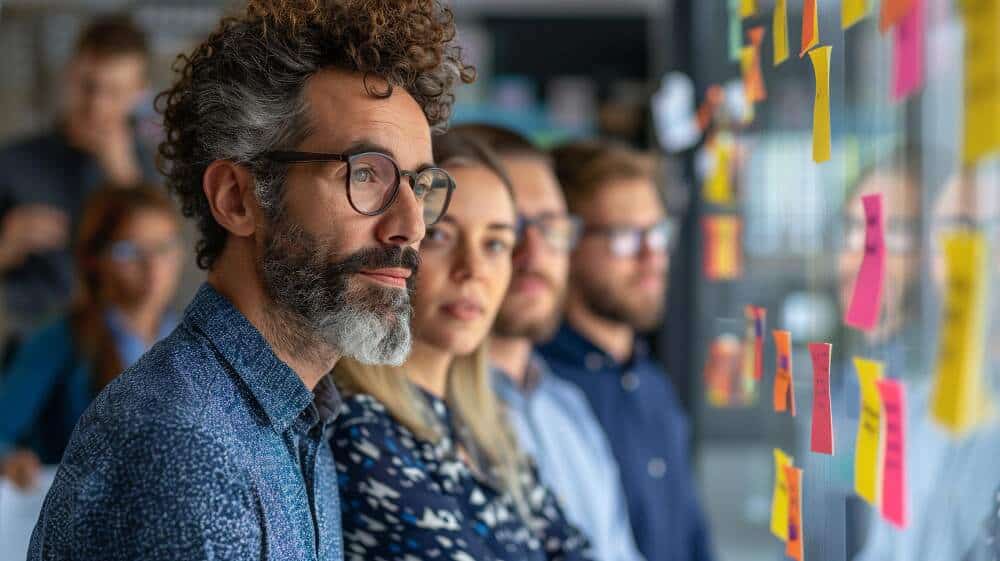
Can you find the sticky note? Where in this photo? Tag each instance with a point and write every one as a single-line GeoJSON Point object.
{"type": "Point", "coordinates": [957, 401]}
{"type": "Point", "coordinates": [810, 26]}
{"type": "Point", "coordinates": [735, 29]}
{"type": "Point", "coordinates": [894, 460]}
{"type": "Point", "coordinates": [722, 256]}
{"type": "Point", "coordinates": [794, 547]}
{"type": "Point", "coordinates": [779, 500]}
{"type": "Point", "coordinates": [718, 187]}
{"type": "Point", "coordinates": [821, 440]}
{"type": "Point", "coordinates": [754, 344]}
{"type": "Point", "coordinates": [908, 53]}
{"type": "Point", "coordinates": [852, 11]}
{"type": "Point", "coordinates": [748, 8]}
{"type": "Point", "coordinates": [982, 80]}
{"type": "Point", "coordinates": [784, 391]}
{"type": "Point", "coordinates": [779, 31]}
{"type": "Point", "coordinates": [866, 300]}
{"type": "Point", "coordinates": [754, 79]}
{"type": "Point", "coordinates": [720, 370]}
{"type": "Point", "coordinates": [821, 105]}
{"type": "Point", "coordinates": [867, 451]}
{"type": "Point", "coordinates": [893, 11]}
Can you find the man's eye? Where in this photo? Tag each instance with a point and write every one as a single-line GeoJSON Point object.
{"type": "Point", "coordinates": [362, 175]}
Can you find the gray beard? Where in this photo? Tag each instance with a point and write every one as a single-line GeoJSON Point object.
{"type": "Point", "coordinates": [319, 306]}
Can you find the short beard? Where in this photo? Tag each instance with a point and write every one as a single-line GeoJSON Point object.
{"type": "Point", "coordinates": [319, 306]}
{"type": "Point", "coordinates": [605, 303]}
{"type": "Point", "coordinates": [510, 324]}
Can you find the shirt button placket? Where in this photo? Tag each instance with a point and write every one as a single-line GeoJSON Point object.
{"type": "Point", "coordinates": [630, 381]}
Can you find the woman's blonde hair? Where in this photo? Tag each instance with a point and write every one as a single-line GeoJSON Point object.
{"type": "Point", "coordinates": [473, 404]}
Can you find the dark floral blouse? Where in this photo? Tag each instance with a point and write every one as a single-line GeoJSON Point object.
{"type": "Point", "coordinates": [410, 499]}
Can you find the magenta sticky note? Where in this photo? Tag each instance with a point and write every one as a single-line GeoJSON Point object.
{"type": "Point", "coordinates": [822, 416]}
{"type": "Point", "coordinates": [894, 457]}
{"type": "Point", "coordinates": [908, 53]}
{"type": "Point", "coordinates": [866, 302]}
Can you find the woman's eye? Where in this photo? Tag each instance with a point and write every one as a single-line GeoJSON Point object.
{"type": "Point", "coordinates": [498, 246]}
{"type": "Point", "coordinates": [436, 235]}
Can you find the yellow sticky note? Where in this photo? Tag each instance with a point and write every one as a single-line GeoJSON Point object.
{"type": "Point", "coordinates": [852, 11]}
{"type": "Point", "coordinates": [867, 451]}
{"type": "Point", "coordinates": [821, 106]}
{"type": "Point", "coordinates": [982, 79]}
{"type": "Point", "coordinates": [779, 501]}
{"type": "Point", "coordinates": [718, 187]}
{"type": "Point", "coordinates": [779, 31]}
{"type": "Point", "coordinates": [958, 401]}
{"type": "Point", "coordinates": [748, 8]}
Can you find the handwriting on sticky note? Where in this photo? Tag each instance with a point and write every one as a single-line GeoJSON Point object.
{"type": "Point", "coordinates": [893, 11]}
{"type": "Point", "coordinates": [821, 105]}
{"type": "Point", "coordinates": [755, 86]}
{"type": "Point", "coordinates": [756, 318]}
{"type": "Point", "coordinates": [794, 547]}
{"type": "Point", "coordinates": [867, 451]}
{"type": "Point", "coordinates": [982, 80]}
{"type": "Point", "coordinates": [722, 254]}
{"type": "Point", "coordinates": [908, 53]}
{"type": "Point", "coordinates": [866, 300]}
{"type": "Point", "coordinates": [810, 26]}
{"type": "Point", "coordinates": [821, 440]}
{"type": "Point", "coordinates": [779, 500]}
{"type": "Point", "coordinates": [957, 402]}
{"type": "Point", "coordinates": [779, 31]}
{"type": "Point", "coordinates": [894, 460]}
{"type": "Point", "coordinates": [852, 11]}
{"type": "Point", "coordinates": [784, 391]}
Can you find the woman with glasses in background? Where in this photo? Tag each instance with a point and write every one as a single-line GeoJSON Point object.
{"type": "Point", "coordinates": [428, 466]}
{"type": "Point", "coordinates": [128, 260]}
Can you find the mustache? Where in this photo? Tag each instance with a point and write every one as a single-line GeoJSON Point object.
{"type": "Point", "coordinates": [377, 258]}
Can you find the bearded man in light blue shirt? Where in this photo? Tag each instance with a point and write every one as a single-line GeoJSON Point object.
{"type": "Point", "coordinates": [552, 418]}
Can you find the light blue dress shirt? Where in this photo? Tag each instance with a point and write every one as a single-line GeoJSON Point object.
{"type": "Point", "coordinates": [556, 426]}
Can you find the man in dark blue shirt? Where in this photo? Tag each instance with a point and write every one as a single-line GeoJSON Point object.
{"type": "Point", "coordinates": [299, 138]}
{"type": "Point", "coordinates": [617, 290]}
{"type": "Point", "coordinates": [45, 179]}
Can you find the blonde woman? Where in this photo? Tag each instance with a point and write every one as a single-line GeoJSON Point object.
{"type": "Point", "coordinates": [427, 466]}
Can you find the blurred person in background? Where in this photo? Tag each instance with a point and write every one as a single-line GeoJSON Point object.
{"type": "Point", "coordinates": [949, 476]}
{"type": "Point", "coordinates": [552, 419]}
{"type": "Point", "coordinates": [45, 179]}
{"type": "Point", "coordinates": [298, 137]}
{"type": "Point", "coordinates": [828, 497]}
{"type": "Point", "coordinates": [617, 291]}
{"type": "Point", "coordinates": [127, 254]}
{"type": "Point", "coordinates": [428, 466]}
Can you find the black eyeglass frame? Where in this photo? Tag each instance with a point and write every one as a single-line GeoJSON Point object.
{"type": "Point", "coordinates": [291, 157]}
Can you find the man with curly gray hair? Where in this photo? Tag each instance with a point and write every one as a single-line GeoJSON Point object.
{"type": "Point", "coordinates": [299, 139]}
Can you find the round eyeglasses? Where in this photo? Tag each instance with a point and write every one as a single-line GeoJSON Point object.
{"type": "Point", "coordinates": [373, 180]}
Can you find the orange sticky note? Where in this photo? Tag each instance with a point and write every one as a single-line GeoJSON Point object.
{"type": "Point", "coordinates": [754, 82]}
{"type": "Point", "coordinates": [784, 390]}
{"type": "Point", "coordinates": [754, 343]}
{"type": "Point", "coordinates": [892, 12]}
{"type": "Point", "coordinates": [821, 105]}
{"type": "Point", "coordinates": [810, 26]}
{"type": "Point", "coordinates": [794, 546]}
{"type": "Point", "coordinates": [852, 11]}
{"type": "Point", "coordinates": [779, 31]}
{"type": "Point", "coordinates": [722, 256]}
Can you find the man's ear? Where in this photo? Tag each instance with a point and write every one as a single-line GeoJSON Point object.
{"type": "Point", "coordinates": [228, 187]}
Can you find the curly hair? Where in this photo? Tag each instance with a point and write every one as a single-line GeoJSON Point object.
{"type": "Point", "coordinates": [240, 93]}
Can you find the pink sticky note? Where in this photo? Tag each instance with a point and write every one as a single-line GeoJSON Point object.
{"type": "Point", "coordinates": [908, 53]}
{"type": "Point", "coordinates": [894, 458]}
{"type": "Point", "coordinates": [822, 417]}
{"type": "Point", "coordinates": [866, 302]}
